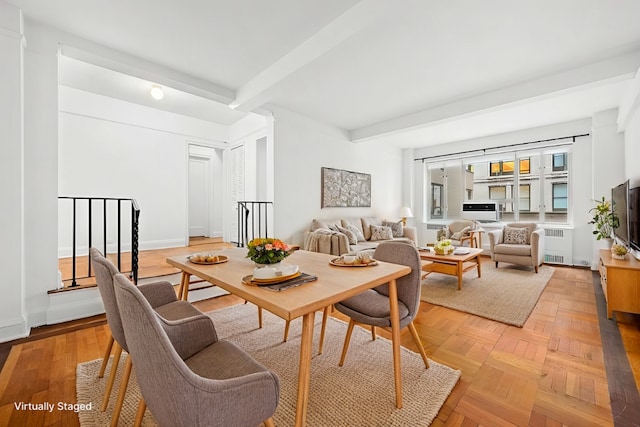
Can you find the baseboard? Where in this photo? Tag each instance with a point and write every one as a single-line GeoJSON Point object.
{"type": "Point", "coordinates": [67, 252]}
{"type": "Point", "coordinates": [12, 329]}
{"type": "Point", "coordinates": [76, 304]}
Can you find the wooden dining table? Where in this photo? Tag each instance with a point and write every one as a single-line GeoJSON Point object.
{"type": "Point", "coordinates": [333, 284]}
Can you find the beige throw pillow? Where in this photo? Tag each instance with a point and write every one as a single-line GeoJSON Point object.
{"type": "Point", "coordinates": [350, 235]}
{"type": "Point", "coordinates": [381, 232]}
{"type": "Point", "coordinates": [397, 228]}
{"type": "Point", "coordinates": [355, 230]}
{"type": "Point", "coordinates": [516, 236]}
{"type": "Point", "coordinates": [460, 234]}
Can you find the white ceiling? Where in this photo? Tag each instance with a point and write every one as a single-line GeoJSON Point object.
{"type": "Point", "coordinates": [410, 72]}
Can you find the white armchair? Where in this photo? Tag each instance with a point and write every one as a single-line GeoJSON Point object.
{"type": "Point", "coordinates": [518, 243]}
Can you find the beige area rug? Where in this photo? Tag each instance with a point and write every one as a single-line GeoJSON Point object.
{"type": "Point", "coordinates": [507, 294]}
{"type": "Point", "coordinates": [361, 393]}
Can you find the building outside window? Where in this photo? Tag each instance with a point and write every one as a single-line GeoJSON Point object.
{"type": "Point", "coordinates": [536, 191]}
{"type": "Point", "coordinates": [560, 196]}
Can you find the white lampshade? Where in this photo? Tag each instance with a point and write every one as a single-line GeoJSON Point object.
{"type": "Point", "coordinates": [157, 92]}
{"type": "Point", "coordinates": [405, 212]}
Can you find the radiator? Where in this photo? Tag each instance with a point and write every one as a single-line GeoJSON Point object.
{"type": "Point", "coordinates": [558, 246]}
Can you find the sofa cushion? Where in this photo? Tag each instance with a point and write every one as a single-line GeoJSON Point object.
{"type": "Point", "coordinates": [381, 232]}
{"type": "Point", "coordinates": [351, 236]}
{"type": "Point", "coordinates": [324, 223]}
{"type": "Point", "coordinates": [366, 226]}
{"type": "Point", "coordinates": [397, 228]}
{"type": "Point", "coordinates": [355, 225]}
{"type": "Point", "coordinates": [516, 236]}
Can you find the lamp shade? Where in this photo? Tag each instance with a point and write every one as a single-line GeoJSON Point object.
{"type": "Point", "coordinates": [405, 212]}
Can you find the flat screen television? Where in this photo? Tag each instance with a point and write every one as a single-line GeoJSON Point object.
{"type": "Point", "coordinates": [633, 214]}
{"type": "Point", "coordinates": [619, 206]}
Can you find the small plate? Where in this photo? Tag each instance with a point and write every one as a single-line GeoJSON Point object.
{"type": "Point", "coordinates": [221, 259]}
{"type": "Point", "coordinates": [338, 262]}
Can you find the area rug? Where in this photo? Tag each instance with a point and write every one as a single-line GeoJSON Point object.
{"type": "Point", "coordinates": [507, 294]}
{"type": "Point", "coordinates": [361, 393]}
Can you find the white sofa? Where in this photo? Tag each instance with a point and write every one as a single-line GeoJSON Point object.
{"type": "Point", "coordinates": [332, 236]}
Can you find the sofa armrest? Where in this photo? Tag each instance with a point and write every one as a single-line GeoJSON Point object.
{"type": "Point", "coordinates": [537, 246]}
{"type": "Point", "coordinates": [495, 238]}
{"type": "Point", "coordinates": [328, 242]}
{"type": "Point", "coordinates": [412, 234]}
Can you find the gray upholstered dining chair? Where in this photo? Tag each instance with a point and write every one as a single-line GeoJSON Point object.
{"type": "Point", "coordinates": [371, 307]}
{"type": "Point", "coordinates": [189, 377]}
{"type": "Point", "coordinates": [162, 298]}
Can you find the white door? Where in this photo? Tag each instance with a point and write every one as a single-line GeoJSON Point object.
{"type": "Point", "coordinates": [199, 193]}
{"type": "Point", "coordinates": [237, 188]}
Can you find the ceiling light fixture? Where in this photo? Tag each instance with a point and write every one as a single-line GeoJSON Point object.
{"type": "Point", "coordinates": [157, 92]}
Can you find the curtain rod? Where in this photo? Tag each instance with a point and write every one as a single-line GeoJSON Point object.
{"type": "Point", "coordinates": [481, 151]}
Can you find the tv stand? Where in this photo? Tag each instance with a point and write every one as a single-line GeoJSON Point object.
{"type": "Point", "coordinates": [620, 280]}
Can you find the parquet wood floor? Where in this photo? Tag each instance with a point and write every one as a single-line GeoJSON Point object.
{"type": "Point", "coordinates": [551, 372]}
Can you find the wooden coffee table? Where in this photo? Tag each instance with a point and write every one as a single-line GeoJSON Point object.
{"type": "Point", "coordinates": [453, 265]}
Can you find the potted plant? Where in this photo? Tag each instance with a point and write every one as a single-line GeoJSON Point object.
{"type": "Point", "coordinates": [618, 251]}
{"type": "Point", "coordinates": [264, 251]}
{"type": "Point", "coordinates": [604, 219]}
{"type": "Point", "coordinates": [443, 247]}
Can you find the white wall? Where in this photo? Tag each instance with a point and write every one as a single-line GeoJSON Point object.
{"type": "Point", "coordinates": [12, 258]}
{"type": "Point", "coordinates": [303, 146]}
{"type": "Point", "coordinates": [632, 138]}
{"type": "Point", "coordinates": [112, 148]}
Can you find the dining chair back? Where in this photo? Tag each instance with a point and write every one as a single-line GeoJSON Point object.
{"type": "Point", "coordinates": [372, 307]}
{"type": "Point", "coordinates": [215, 383]}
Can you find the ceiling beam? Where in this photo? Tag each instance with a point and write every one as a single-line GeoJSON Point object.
{"type": "Point", "coordinates": [258, 90]}
{"type": "Point", "coordinates": [618, 68]}
{"type": "Point", "coordinates": [121, 62]}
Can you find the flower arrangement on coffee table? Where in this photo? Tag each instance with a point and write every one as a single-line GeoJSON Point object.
{"type": "Point", "coordinates": [443, 247]}
{"type": "Point", "coordinates": [267, 250]}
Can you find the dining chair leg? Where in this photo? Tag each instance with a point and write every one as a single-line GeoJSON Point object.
{"type": "Point", "coordinates": [373, 333]}
{"type": "Point", "coordinates": [142, 406]}
{"type": "Point", "coordinates": [347, 339]}
{"type": "Point", "coordinates": [269, 423]}
{"type": "Point", "coordinates": [286, 330]}
{"type": "Point", "coordinates": [416, 338]}
{"type": "Point", "coordinates": [105, 359]}
{"type": "Point", "coordinates": [124, 382]}
{"type": "Point", "coordinates": [325, 314]}
{"type": "Point", "coordinates": [112, 377]}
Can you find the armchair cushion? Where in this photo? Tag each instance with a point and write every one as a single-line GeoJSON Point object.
{"type": "Point", "coordinates": [516, 236]}
{"type": "Point", "coordinates": [460, 234]}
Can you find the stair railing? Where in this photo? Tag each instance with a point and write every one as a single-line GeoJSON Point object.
{"type": "Point", "coordinates": [120, 227]}
{"type": "Point", "coordinates": [253, 221]}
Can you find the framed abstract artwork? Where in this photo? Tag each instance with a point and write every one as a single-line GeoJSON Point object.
{"type": "Point", "coordinates": [341, 188]}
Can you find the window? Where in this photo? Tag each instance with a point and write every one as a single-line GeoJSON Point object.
{"type": "Point", "coordinates": [436, 200]}
{"type": "Point", "coordinates": [524, 200]}
{"type": "Point", "coordinates": [506, 167]}
{"type": "Point", "coordinates": [560, 196]}
{"type": "Point", "coordinates": [498, 192]}
{"type": "Point", "coordinates": [559, 162]}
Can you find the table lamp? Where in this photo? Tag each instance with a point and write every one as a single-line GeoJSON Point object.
{"type": "Point", "coordinates": [405, 212]}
